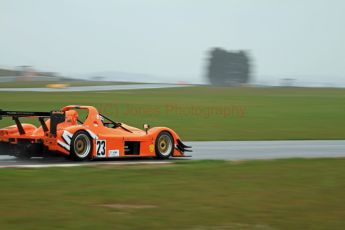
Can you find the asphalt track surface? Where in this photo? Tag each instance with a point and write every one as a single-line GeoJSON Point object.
{"type": "Point", "coordinates": [222, 150]}
{"type": "Point", "coordinates": [94, 88]}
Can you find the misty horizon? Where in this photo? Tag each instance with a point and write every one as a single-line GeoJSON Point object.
{"type": "Point", "coordinates": [170, 40]}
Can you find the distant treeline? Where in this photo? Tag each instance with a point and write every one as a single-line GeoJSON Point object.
{"type": "Point", "coordinates": [228, 68]}
{"type": "Point", "coordinates": [9, 72]}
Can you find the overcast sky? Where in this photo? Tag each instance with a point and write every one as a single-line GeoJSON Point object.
{"type": "Point", "coordinates": [170, 37]}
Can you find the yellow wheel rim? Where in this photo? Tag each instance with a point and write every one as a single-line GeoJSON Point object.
{"type": "Point", "coordinates": [82, 145]}
{"type": "Point", "coordinates": [165, 145]}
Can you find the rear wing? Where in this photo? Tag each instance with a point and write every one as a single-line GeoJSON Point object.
{"type": "Point", "coordinates": [56, 117]}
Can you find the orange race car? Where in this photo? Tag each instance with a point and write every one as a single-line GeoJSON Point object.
{"type": "Point", "coordinates": [95, 137]}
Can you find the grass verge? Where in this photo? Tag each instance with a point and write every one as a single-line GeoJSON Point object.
{"type": "Point", "coordinates": [279, 194]}
{"type": "Point", "coordinates": [209, 113]}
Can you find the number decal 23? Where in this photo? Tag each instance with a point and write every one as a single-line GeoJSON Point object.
{"type": "Point", "coordinates": [100, 148]}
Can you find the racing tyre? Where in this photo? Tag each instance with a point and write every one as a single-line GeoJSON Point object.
{"type": "Point", "coordinates": [5, 148]}
{"type": "Point", "coordinates": [164, 145]}
{"type": "Point", "coordinates": [81, 146]}
{"type": "Point", "coordinates": [25, 150]}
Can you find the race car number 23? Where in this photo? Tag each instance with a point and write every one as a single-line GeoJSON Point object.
{"type": "Point", "coordinates": [100, 148]}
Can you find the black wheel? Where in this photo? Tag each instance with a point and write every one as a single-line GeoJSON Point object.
{"type": "Point", "coordinates": [81, 146]}
{"type": "Point", "coordinates": [164, 145]}
{"type": "Point", "coordinates": [5, 148]}
{"type": "Point", "coordinates": [22, 156]}
{"type": "Point", "coordinates": [22, 151]}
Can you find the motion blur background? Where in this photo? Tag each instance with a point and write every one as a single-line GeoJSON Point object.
{"type": "Point", "coordinates": [227, 70]}
{"type": "Point", "coordinates": [298, 43]}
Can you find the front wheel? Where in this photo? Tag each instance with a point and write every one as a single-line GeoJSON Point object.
{"type": "Point", "coordinates": [81, 146]}
{"type": "Point", "coordinates": [164, 145]}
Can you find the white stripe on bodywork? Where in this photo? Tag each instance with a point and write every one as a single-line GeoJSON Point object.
{"type": "Point", "coordinates": [64, 145]}
{"type": "Point", "coordinates": [94, 136]}
{"type": "Point", "coordinates": [67, 136]}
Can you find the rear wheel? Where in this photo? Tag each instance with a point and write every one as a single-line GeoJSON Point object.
{"type": "Point", "coordinates": [25, 150]}
{"type": "Point", "coordinates": [5, 148]}
{"type": "Point", "coordinates": [81, 146]}
{"type": "Point", "coordinates": [164, 145]}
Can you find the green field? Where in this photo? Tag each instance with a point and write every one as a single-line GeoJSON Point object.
{"type": "Point", "coordinates": [275, 194]}
{"type": "Point", "coordinates": [207, 113]}
{"type": "Point", "coordinates": [280, 194]}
